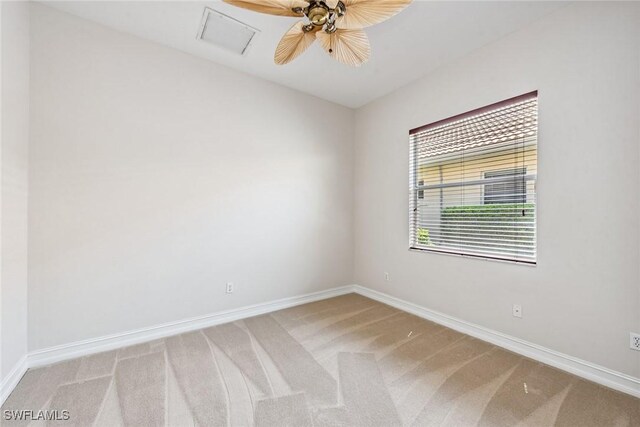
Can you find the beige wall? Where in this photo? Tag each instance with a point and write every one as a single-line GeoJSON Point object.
{"type": "Point", "coordinates": [14, 139]}
{"type": "Point", "coordinates": [582, 297]}
{"type": "Point", "coordinates": [156, 177]}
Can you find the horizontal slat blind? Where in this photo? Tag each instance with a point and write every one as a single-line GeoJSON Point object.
{"type": "Point", "coordinates": [473, 182]}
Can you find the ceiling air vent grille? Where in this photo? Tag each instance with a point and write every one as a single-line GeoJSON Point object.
{"type": "Point", "coordinates": [226, 32]}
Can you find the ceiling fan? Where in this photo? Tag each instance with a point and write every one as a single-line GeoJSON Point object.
{"type": "Point", "coordinates": [336, 24]}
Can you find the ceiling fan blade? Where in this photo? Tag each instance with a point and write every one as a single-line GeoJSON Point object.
{"type": "Point", "coordinates": [272, 7]}
{"type": "Point", "coordinates": [350, 47]}
{"type": "Point", "coordinates": [293, 43]}
{"type": "Point", "coordinates": [364, 13]}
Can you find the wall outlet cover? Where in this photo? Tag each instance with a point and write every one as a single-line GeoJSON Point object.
{"type": "Point", "coordinates": [517, 310]}
{"type": "Point", "coordinates": [635, 341]}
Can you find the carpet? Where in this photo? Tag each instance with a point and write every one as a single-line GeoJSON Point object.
{"type": "Point", "coordinates": [344, 361]}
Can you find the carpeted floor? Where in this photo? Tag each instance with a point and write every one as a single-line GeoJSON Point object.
{"type": "Point", "coordinates": [342, 361]}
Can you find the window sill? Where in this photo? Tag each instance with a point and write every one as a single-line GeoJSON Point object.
{"type": "Point", "coordinates": [477, 257]}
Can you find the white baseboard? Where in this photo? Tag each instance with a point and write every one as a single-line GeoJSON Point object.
{"type": "Point", "coordinates": [581, 368]}
{"type": "Point", "coordinates": [590, 371]}
{"type": "Point", "coordinates": [9, 383]}
{"type": "Point", "coordinates": [72, 350]}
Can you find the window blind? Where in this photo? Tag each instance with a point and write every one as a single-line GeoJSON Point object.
{"type": "Point", "coordinates": [473, 182]}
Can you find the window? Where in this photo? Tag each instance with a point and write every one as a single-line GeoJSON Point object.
{"type": "Point", "coordinates": [513, 190]}
{"type": "Point", "coordinates": [473, 182]}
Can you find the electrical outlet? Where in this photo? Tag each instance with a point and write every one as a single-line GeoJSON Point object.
{"type": "Point", "coordinates": [635, 341]}
{"type": "Point", "coordinates": [517, 310]}
{"type": "Point", "coordinates": [386, 276]}
{"type": "Point", "coordinates": [229, 287]}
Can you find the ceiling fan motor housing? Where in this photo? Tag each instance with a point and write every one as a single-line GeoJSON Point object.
{"type": "Point", "coordinates": [318, 13]}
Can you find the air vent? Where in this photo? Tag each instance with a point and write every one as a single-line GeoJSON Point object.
{"type": "Point", "coordinates": [225, 32]}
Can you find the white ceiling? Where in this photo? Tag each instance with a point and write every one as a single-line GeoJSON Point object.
{"type": "Point", "coordinates": [404, 48]}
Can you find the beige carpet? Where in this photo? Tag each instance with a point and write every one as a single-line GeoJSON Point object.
{"type": "Point", "coordinates": [346, 361]}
